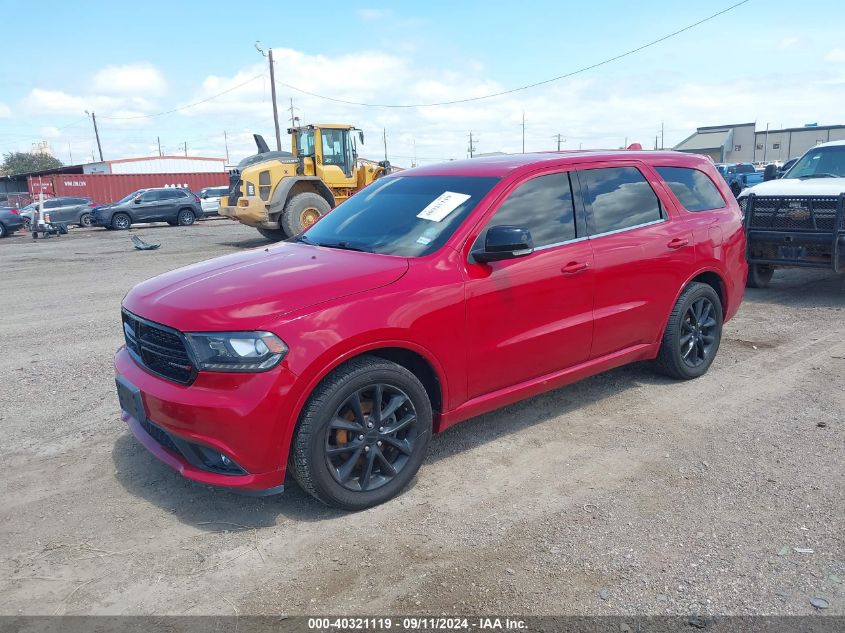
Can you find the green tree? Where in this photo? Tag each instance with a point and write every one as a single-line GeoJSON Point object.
{"type": "Point", "coordinates": [23, 162]}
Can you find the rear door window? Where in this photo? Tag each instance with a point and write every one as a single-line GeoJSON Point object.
{"type": "Point", "coordinates": [618, 198]}
{"type": "Point", "coordinates": [544, 206]}
{"type": "Point", "coordinates": [693, 188]}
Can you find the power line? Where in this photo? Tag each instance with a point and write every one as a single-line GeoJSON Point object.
{"type": "Point", "coordinates": [528, 86]}
{"type": "Point", "coordinates": [185, 107]}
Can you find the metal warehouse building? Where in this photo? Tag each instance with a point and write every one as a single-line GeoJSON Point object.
{"type": "Point", "coordinates": [744, 143]}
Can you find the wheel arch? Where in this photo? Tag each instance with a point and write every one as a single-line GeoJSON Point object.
{"type": "Point", "coordinates": [294, 185]}
{"type": "Point", "coordinates": [413, 357]}
{"type": "Point", "coordinates": [709, 277]}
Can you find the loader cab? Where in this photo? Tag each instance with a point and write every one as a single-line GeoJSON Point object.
{"type": "Point", "coordinates": [329, 152]}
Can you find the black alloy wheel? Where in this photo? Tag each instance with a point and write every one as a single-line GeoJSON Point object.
{"type": "Point", "coordinates": [693, 333]}
{"type": "Point", "coordinates": [698, 332]}
{"type": "Point", "coordinates": [371, 437]}
{"type": "Point", "coordinates": [362, 435]}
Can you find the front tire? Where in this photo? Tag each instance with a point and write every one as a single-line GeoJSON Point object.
{"type": "Point", "coordinates": [274, 235]}
{"type": "Point", "coordinates": [759, 275]}
{"type": "Point", "coordinates": [362, 435]}
{"type": "Point", "coordinates": [693, 333]}
{"type": "Point", "coordinates": [302, 211]}
{"type": "Point", "coordinates": [2, 230]}
{"type": "Point", "coordinates": [120, 222]}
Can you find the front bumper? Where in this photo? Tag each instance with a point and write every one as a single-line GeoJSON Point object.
{"type": "Point", "coordinates": [242, 416]}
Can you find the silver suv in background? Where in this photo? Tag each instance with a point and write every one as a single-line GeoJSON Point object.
{"type": "Point", "coordinates": [69, 210]}
{"type": "Point", "coordinates": [210, 199]}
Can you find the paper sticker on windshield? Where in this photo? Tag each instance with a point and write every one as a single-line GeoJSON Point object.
{"type": "Point", "coordinates": [443, 205]}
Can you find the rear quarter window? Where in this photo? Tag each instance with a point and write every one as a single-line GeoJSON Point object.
{"type": "Point", "coordinates": [693, 188]}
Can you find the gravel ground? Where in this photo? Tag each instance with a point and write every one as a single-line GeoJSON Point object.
{"type": "Point", "coordinates": [626, 493]}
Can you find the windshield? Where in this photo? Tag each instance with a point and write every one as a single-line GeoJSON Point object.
{"type": "Point", "coordinates": [820, 162]}
{"type": "Point", "coordinates": [410, 216]}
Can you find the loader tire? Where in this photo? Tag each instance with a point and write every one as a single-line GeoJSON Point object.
{"type": "Point", "coordinates": [302, 211]}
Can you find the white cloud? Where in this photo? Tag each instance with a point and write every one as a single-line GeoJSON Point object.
{"type": "Point", "coordinates": [789, 42]}
{"type": "Point", "coordinates": [370, 15]}
{"type": "Point", "coordinates": [5, 111]}
{"type": "Point", "coordinates": [835, 55]}
{"type": "Point", "coordinates": [130, 79]}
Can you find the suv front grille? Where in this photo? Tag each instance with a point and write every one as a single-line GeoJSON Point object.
{"type": "Point", "coordinates": [159, 348]}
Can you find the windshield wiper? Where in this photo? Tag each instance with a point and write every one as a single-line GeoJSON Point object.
{"type": "Point", "coordinates": [345, 246]}
{"type": "Point", "coordinates": [822, 175]}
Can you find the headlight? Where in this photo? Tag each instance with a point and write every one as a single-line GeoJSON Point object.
{"type": "Point", "coordinates": [237, 351]}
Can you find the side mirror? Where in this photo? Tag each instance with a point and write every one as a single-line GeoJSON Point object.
{"type": "Point", "coordinates": [770, 173]}
{"type": "Point", "coordinates": [504, 242]}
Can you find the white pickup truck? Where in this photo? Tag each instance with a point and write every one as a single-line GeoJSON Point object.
{"type": "Point", "coordinates": [798, 220]}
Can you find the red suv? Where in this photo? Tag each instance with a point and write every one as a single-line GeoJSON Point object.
{"type": "Point", "coordinates": [431, 296]}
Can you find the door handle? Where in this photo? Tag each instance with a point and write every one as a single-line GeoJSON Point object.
{"type": "Point", "coordinates": [678, 242]}
{"type": "Point", "coordinates": [573, 268]}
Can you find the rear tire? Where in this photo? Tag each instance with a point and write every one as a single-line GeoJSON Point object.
{"type": "Point", "coordinates": [85, 220]}
{"type": "Point", "coordinates": [120, 222]}
{"type": "Point", "coordinates": [2, 230]}
{"type": "Point", "coordinates": [693, 333]}
{"type": "Point", "coordinates": [302, 211]}
{"type": "Point", "coordinates": [759, 275]}
{"type": "Point", "coordinates": [377, 467]}
{"type": "Point", "coordinates": [186, 217]}
{"type": "Point", "coordinates": [274, 235]}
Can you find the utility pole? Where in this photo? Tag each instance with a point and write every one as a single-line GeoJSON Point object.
{"type": "Point", "coordinates": [523, 131]}
{"type": "Point", "coordinates": [662, 129]}
{"type": "Point", "coordinates": [70, 153]}
{"type": "Point", "coordinates": [384, 138]}
{"type": "Point", "coordinates": [96, 133]}
{"type": "Point", "coordinates": [414, 164]}
{"type": "Point", "coordinates": [184, 146]}
{"type": "Point", "coordinates": [293, 117]}
{"type": "Point", "coordinates": [557, 136]}
{"type": "Point", "coordinates": [471, 148]}
{"type": "Point", "coordinates": [269, 56]}
{"type": "Point", "coordinates": [226, 145]}
{"type": "Point", "coordinates": [158, 141]}
{"type": "Point", "coordinates": [766, 143]}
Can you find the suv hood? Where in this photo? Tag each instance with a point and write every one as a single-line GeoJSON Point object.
{"type": "Point", "coordinates": [250, 290]}
{"type": "Point", "coordinates": [798, 187]}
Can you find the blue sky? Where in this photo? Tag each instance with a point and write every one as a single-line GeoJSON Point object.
{"type": "Point", "coordinates": [768, 61]}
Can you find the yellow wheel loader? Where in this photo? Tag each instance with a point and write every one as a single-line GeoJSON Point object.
{"type": "Point", "coordinates": [281, 194]}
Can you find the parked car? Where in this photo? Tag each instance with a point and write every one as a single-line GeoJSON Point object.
{"type": "Point", "coordinates": [68, 210]}
{"type": "Point", "coordinates": [10, 221]}
{"type": "Point", "coordinates": [165, 204]}
{"type": "Point", "coordinates": [432, 296]}
{"type": "Point", "coordinates": [739, 176]}
{"type": "Point", "coordinates": [799, 219]}
{"type": "Point", "coordinates": [210, 199]}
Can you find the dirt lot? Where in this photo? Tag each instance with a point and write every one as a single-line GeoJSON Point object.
{"type": "Point", "coordinates": [625, 493]}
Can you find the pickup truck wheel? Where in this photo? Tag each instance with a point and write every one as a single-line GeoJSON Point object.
{"type": "Point", "coordinates": [302, 211]}
{"type": "Point", "coordinates": [362, 435]}
{"type": "Point", "coordinates": [759, 275]}
{"type": "Point", "coordinates": [186, 217]}
{"type": "Point", "coordinates": [120, 221]}
{"type": "Point", "coordinates": [693, 333]}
